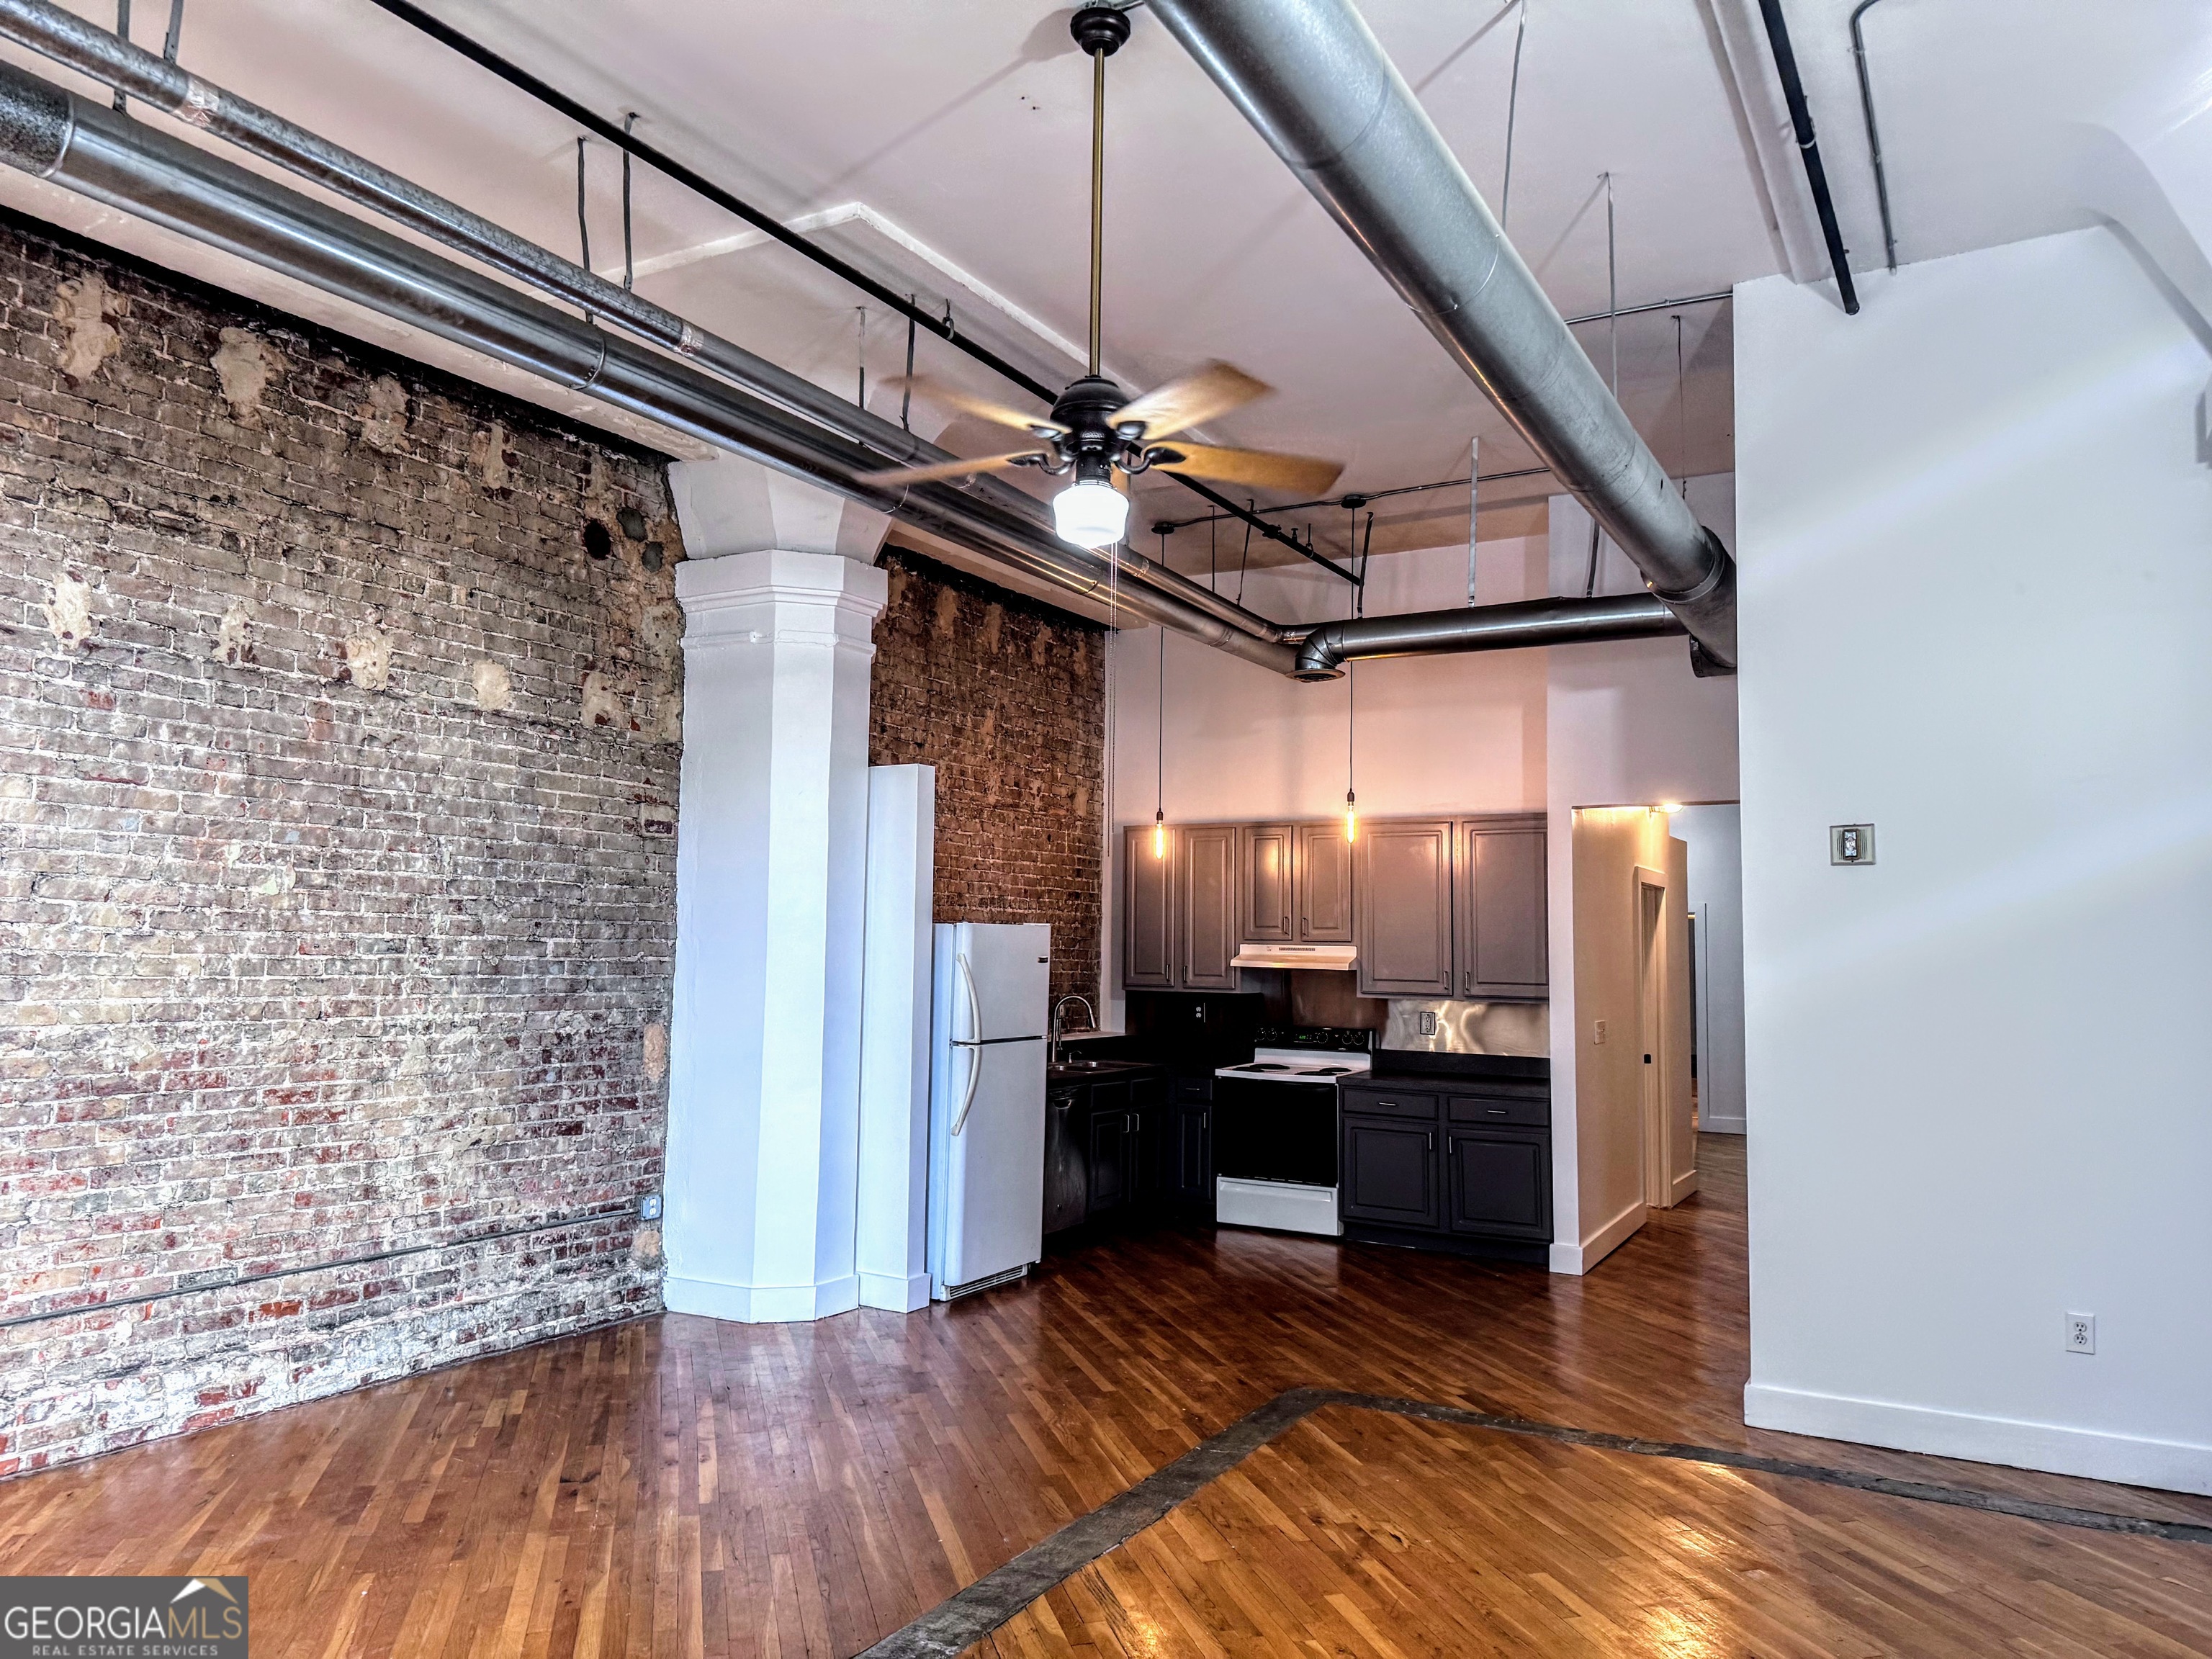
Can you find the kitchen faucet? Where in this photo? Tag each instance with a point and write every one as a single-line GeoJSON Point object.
{"type": "Point", "coordinates": [1088, 1010]}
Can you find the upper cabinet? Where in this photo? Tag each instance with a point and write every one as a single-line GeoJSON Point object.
{"type": "Point", "coordinates": [1265, 862]}
{"type": "Point", "coordinates": [1438, 907]}
{"type": "Point", "coordinates": [1402, 915]}
{"type": "Point", "coordinates": [1148, 912]}
{"type": "Point", "coordinates": [1323, 880]}
{"type": "Point", "coordinates": [1503, 935]}
{"type": "Point", "coordinates": [1208, 928]}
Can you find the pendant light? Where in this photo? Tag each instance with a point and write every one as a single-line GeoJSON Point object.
{"type": "Point", "coordinates": [1160, 743]}
{"type": "Point", "coordinates": [1090, 513]}
{"type": "Point", "coordinates": [1351, 680]}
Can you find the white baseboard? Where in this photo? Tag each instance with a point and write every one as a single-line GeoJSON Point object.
{"type": "Point", "coordinates": [900, 1293]}
{"type": "Point", "coordinates": [761, 1305]}
{"type": "Point", "coordinates": [1682, 1188]}
{"type": "Point", "coordinates": [1720, 1126]}
{"type": "Point", "coordinates": [2094, 1454]}
{"type": "Point", "coordinates": [1581, 1258]}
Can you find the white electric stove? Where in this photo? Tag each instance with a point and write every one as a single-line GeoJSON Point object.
{"type": "Point", "coordinates": [1275, 1139]}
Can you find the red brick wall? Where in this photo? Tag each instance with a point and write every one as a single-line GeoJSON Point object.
{"type": "Point", "coordinates": [336, 895]}
{"type": "Point", "coordinates": [1006, 698]}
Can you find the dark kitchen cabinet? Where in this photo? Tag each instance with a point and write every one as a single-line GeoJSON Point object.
{"type": "Point", "coordinates": [1112, 1163]}
{"type": "Point", "coordinates": [1110, 1149]}
{"type": "Point", "coordinates": [1389, 1172]}
{"type": "Point", "coordinates": [1323, 874]}
{"type": "Point", "coordinates": [1208, 930]}
{"type": "Point", "coordinates": [1265, 862]}
{"type": "Point", "coordinates": [1454, 1163]}
{"type": "Point", "coordinates": [1499, 1182]}
{"type": "Point", "coordinates": [1186, 1168]}
{"type": "Point", "coordinates": [1403, 908]}
{"type": "Point", "coordinates": [1067, 1183]}
{"type": "Point", "coordinates": [1503, 942]}
{"type": "Point", "coordinates": [1148, 912]}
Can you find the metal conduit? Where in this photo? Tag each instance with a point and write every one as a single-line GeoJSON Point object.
{"type": "Point", "coordinates": [54, 135]}
{"type": "Point", "coordinates": [1323, 653]}
{"type": "Point", "coordinates": [1312, 77]}
{"type": "Point", "coordinates": [71, 41]}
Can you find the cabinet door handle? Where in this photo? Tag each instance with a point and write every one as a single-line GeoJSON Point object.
{"type": "Point", "coordinates": [1428, 1141]}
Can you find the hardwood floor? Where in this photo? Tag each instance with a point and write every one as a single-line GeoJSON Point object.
{"type": "Point", "coordinates": [677, 1486]}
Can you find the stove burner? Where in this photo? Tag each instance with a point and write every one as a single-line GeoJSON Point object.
{"type": "Point", "coordinates": [1264, 1066]}
{"type": "Point", "coordinates": [1329, 1071]}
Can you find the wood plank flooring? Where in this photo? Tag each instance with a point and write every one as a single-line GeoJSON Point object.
{"type": "Point", "coordinates": [680, 1486]}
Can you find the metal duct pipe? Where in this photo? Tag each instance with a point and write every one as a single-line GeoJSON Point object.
{"type": "Point", "coordinates": [1323, 653]}
{"type": "Point", "coordinates": [76, 44]}
{"type": "Point", "coordinates": [1312, 78]}
{"type": "Point", "coordinates": [52, 134]}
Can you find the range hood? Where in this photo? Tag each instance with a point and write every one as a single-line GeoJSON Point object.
{"type": "Point", "coordinates": [1329, 958]}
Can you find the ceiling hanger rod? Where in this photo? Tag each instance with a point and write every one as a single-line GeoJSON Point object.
{"type": "Point", "coordinates": [1358, 498]}
{"type": "Point", "coordinates": [515, 75]}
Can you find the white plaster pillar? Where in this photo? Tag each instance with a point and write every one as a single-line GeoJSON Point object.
{"type": "Point", "coordinates": [771, 855]}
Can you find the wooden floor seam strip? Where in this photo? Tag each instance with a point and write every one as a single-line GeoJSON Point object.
{"type": "Point", "coordinates": [969, 1614]}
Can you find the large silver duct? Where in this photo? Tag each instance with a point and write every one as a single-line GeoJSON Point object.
{"type": "Point", "coordinates": [1311, 76]}
{"type": "Point", "coordinates": [1323, 653]}
{"type": "Point", "coordinates": [54, 135]}
{"type": "Point", "coordinates": [92, 50]}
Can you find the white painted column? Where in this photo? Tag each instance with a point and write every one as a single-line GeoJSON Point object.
{"type": "Point", "coordinates": [892, 1232]}
{"type": "Point", "coordinates": [771, 853]}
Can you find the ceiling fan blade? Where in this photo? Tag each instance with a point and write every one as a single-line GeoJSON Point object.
{"type": "Point", "coordinates": [907, 475]}
{"type": "Point", "coordinates": [1191, 400]}
{"type": "Point", "coordinates": [1260, 468]}
{"type": "Point", "coordinates": [950, 397]}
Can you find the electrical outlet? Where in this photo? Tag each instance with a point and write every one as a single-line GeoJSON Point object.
{"type": "Point", "coordinates": [2080, 1333]}
{"type": "Point", "coordinates": [649, 1208]}
{"type": "Point", "coordinates": [1597, 1032]}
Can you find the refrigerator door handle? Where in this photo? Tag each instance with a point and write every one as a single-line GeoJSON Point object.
{"type": "Point", "coordinates": [967, 1100]}
{"type": "Point", "coordinates": [968, 990]}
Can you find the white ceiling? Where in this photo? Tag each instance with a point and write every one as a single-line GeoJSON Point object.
{"type": "Point", "coordinates": [962, 128]}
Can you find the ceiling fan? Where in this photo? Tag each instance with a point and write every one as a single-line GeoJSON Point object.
{"type": "Point", "coordinates": [1094, 431]}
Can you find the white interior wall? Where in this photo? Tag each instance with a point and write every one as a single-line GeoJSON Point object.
{"type": "Point", "coordinates": [1714, 836]}
{"type": "Point", "coordinates": [1977, 585]}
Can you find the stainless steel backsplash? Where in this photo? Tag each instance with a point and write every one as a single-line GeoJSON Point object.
{"type": "Point", "coordinates": [1468, 1028]}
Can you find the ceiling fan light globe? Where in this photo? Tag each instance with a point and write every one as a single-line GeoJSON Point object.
{"type": "Point", "coordinates": [1090, 515]}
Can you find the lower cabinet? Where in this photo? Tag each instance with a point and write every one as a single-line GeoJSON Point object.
{"type": "Point", "coordinates": [1389, 1172]}
{"type": "Point", "coordinates": [1499, 1183]}
{"type": "Point", "coordinates": [1468, 1163]}
{"type": "Point", "coordinates": [1107, 1147]}
{"type": "Point", "coordinates": [1186, 1159]}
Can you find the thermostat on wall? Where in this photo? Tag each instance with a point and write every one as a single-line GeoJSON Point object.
{"type": "Point", "coordinates": [1850, 843]}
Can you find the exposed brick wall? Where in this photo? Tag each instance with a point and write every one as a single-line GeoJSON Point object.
{"type": "Point", "coordinates": [337, 882]}
{"type": "Point", "coordinates": [1006, 698]}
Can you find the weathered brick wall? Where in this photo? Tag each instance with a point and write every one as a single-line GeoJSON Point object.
{"type": "Point", "coordinates": [1006, 698]}
{"type": "Point", "coordinates": [337, 882]}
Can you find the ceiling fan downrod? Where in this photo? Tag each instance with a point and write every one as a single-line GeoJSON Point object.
{"type": "Point", "coordinates": [1100, 30]}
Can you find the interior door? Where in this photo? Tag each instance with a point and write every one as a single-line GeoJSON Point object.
{"type": "Point", "coordinates": [1323, 871]}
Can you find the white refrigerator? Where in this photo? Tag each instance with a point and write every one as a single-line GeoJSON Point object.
{"type": "Point", "coordinates": [988, 1014]}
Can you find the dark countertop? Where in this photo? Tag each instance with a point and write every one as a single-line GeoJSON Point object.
{"type": "Point", "coordinates": [1093, 1070]}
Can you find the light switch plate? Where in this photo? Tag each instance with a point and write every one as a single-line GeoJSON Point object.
{"type": "Point", "coordinates": [1850, 843]}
